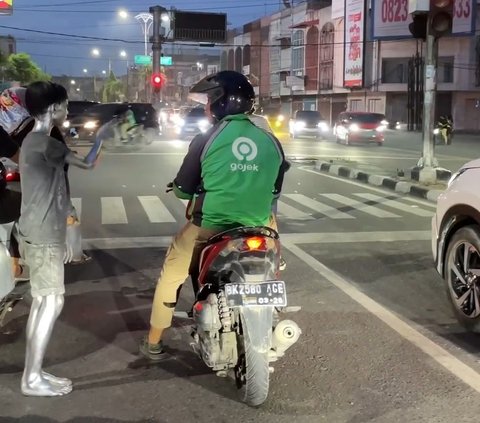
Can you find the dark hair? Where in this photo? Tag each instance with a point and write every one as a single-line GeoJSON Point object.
{"type": "Point", "coordinates": [41, 95]}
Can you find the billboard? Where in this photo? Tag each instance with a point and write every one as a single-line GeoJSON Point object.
{"type": "Point", "coordinates": [6, 7]}
{"type": "Point", "coordinates": [391, 18]}
{"type": "Point", "coordinates": [354, 37]}
{"type": "Point", "coordinates": [199, 27]}
{"type": "Point", "coordinates": [338, 9]}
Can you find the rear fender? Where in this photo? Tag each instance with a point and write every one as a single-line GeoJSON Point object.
{"type": "Point", "coordinates": [257, 321]}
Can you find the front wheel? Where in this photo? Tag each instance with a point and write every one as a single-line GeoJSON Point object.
{"type": "Point", "coordinates": [462, 275]}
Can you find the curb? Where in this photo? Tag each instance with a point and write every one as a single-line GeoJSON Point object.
{"type": "Point", "coordinates": [379, 181]}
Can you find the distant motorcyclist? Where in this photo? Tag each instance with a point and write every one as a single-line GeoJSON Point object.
{"type": "Point", "coordinates": [230, 174]}
{"type": "Point", "coordinates": [127, 122]}
{"type": "Point", "coordinates": [445, 127]}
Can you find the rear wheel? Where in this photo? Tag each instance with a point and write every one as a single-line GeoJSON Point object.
{"type": "Point", "coordinates": [252, 373]}
{"type": "Point", "coordinates": [462, 275]}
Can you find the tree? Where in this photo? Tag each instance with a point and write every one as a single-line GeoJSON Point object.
{"type": "Point", "coordinates": [20, 67]}
{"type": "Point", "coordinates": [113, 90]}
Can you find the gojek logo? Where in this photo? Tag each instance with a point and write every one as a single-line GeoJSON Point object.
{"type": "Point", "coordinates": [244, 149]}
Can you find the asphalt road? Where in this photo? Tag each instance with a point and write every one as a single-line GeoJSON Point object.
{"type": "Point", "coordinates": [379, 341]}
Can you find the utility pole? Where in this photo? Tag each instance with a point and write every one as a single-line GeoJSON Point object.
{"type": "Point", "coordinates": [428, 161]}
{"type": "Point", "coordinates": [156, 40]}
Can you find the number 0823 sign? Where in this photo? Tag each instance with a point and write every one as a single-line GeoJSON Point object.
{"type": "Point", "coordinates": [391, 18]}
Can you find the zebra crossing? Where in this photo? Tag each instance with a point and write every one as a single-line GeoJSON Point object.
{"type": "Point", "coordinates": [292, 206]}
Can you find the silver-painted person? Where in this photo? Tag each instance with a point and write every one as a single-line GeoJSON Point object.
{"type": "Point", "coordinates": [42, 229]}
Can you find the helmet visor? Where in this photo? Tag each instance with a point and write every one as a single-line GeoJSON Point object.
{"type": "Point", "coordinates": [209, 87]}
{"type": "Point", "coordinates": [201, 98]}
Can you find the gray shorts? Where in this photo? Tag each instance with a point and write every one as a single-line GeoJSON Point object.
{"type": "Point", "coordinates": [46, 268]}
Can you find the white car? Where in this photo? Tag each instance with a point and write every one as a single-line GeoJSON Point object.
{"type": "Point", "coordinates": [456, 243]}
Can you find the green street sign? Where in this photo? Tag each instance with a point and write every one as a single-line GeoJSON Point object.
{"type": "Point", "coordinates": [143, 60]}
{"type": "Point", "coordinates": [166, 61]}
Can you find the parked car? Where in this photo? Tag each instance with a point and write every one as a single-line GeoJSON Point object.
{"type": "Point", "coordinates": [307, 123]}
{"type": "Point", "coordinates": [85, 125]}
{"type": "Point", "coordinates": [360, 127]}
{"type": "Point", "coordinates": [192, 123]}
{"type": "Point", "coordinates": [456, 243]}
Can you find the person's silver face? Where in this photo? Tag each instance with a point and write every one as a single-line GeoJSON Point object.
{"type": "Point", "coordinates": [60, 113]}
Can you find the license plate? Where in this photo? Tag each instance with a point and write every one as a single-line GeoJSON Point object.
{"type": "Point", "coordinates": [270, 293]}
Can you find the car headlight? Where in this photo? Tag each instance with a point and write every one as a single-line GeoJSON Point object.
{"type": "Point", "coordinates": [436, 131]}
{"type": "Point", "coordinates": [384, 122]}
{"type": "Point", "coordinates": [91, 124]}
{"type": "Point", "coordinates": [299, 125]}
{"type": "Point", "coordinates": [354, 127]}
{"type": "Point", "coordinates": [280, 118]}
{"type": "Point", "coordinates": [381, 128]}
{"type": "Point", "coordinates": [66, 124]}
{"type": "Point", "coordinates": [323, 126]}
{"type": "Point", "coordinates": [203, 125]}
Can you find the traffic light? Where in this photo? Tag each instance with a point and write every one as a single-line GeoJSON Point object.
{"type": "Point", "coordinates": [158, 81]}
{"type": "Point", "coordinates": [441, 17]}
{"type": "Point", "coordinates": [418, 28]}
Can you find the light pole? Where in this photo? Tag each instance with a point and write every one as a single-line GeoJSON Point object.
{"type": "Point", "coordinates": [146, 20]}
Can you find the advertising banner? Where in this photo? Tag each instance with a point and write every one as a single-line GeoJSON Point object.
{"type": "Point", "coordinates": [354, 43]}
{"type": "Point", "coordinates": [391, 19]}
{"type": "Point", "coordinates": [6, 7]}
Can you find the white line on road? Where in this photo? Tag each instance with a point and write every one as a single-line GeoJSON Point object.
{"type": "Point", "coordinates": [113, 211]}
{"type": "Point", "coordinates": [292, 238]}
{"type": "Point", "coordinates": [155, 209]}
{"type": "Point", "coordinates": [328, 211]}
{"type": "Point", "coordinates": [366, 186]}
{"type": "Point", "coordinates": [347, 237]}
{"type": "Point", "coordinates": [396, 204]}
{"type": "Point", "coordinates": [440, 355]}
{"type": "Point", "coordinates": [77, 203]}
{"type": "Point", "coordinates": [358, 205]}
{"type": "Point", "coordinates": [290, 212]}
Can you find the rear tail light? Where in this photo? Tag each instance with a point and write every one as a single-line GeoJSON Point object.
{"type": "Point", "coordinates": [255, 243]}
{"type": "Point", "coordinates": [12, 176]}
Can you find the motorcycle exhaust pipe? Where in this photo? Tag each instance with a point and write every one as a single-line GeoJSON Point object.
{"type": "Point", "coordinates": [285, 334]}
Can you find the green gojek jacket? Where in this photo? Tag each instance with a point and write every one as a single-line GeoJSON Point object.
{"type": "Point", "coordinates": [232, 174]}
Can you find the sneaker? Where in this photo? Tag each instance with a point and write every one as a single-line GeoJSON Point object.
{"type": "Point", "coordinates": [85, 259]}
{"type": "Point", "coordinates": [154, 352]}
{"type": "Point", "coordinates": [283, 264]}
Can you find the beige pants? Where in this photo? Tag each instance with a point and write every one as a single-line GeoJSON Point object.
{"type": "Point", "coordinates": [186, 246]}
{"type": "Point", "coordinates": [185, 249]}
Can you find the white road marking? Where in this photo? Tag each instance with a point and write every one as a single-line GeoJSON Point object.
{"type": "Point", "coordinates": [447, 360]}
{"type": "Point", "coordinates": [292, 238]}
{"type": "Point", "coordinates": [113, 211]}
{"type": "Point", "coordinates": [77, 203]}
{"type": "Point", "coordinates": [155, 209]}
{"type": "Point", "coordinates": [289, 212]}
{"type": "Point", "coordinates": [328, 211]}
{"type": "Point", "coordinates": [362, 207]}
{"type": "Point", "coordinates": [396, 204]}
{"type": "Point", "coordinates": [366, 186]}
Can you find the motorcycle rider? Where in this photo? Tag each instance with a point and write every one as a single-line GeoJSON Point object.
{"type": "Point", "coordinates": [231, 174]}
{"type": "Point", "coordinates": [445, 125]}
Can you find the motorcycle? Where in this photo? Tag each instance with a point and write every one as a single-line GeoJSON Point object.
{"type": "Point", "coordinates": [111, 134]}
{"type": "Point", "coordinates": [236, 313]}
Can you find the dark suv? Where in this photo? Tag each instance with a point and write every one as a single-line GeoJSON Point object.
{"type": "Point", "coordinates": [87, 124]}
{"type": "Point", "coordinates": [307, 123]}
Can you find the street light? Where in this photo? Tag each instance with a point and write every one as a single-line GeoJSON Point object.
{"type": "Point", "coordinates": [147, 21]}
{"type": "Point", "coordinates": [104, 72]}
{"type": "Point", "coordinates": [123, 53]}
{"type": "Point", "coordinates": [72, 82]}
{"type": "Point", "coordinates": [123, 14]}
{"type": "Point", "coordinates": [85, 70]}
{"type": "Point", "coordinates": [96, 52]}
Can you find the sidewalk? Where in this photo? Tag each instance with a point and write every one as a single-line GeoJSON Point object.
{"type": "Point", "coordinates": [399, 181]}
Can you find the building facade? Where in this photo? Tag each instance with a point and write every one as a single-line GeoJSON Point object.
{"type": "Point", "coordinates": [295, 59]}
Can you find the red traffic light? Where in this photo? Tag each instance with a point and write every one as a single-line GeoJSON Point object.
{"type": "Point", "coordinates": [158, 80]}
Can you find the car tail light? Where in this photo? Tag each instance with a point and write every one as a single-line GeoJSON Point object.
{"type": "Point", "coordinates": [12, 176]}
